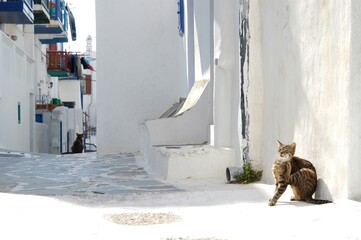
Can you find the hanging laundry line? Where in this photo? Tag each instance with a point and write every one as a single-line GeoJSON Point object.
{"type": "Point", "coordinates": [70, 63]}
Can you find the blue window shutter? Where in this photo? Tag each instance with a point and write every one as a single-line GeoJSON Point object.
{"type": "Point", "coordinates": [181, 17]}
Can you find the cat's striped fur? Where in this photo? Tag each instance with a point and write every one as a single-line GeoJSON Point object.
{"type": "Point", "coordinates": [297, 172]}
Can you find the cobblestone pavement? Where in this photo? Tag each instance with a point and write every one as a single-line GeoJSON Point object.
{"type": "Point", "coordinates": [75, 174]}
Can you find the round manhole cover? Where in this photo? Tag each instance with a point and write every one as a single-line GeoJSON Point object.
{"type": "Point", "coordinates": [137, 219]}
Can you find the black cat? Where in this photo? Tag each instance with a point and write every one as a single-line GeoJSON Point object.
{"type": "Point", "coordinates": [78, 144]}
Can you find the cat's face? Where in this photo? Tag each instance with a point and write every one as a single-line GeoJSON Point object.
{"type": "Point", "coordinates": [286, 151]}
{"type": "Point", "coordinates": [79, 135]}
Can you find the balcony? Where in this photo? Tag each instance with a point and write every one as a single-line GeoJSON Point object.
{"type": "Point", "coordinates": [57, 29]}
{"type": "Point", "coordinates": [58, 62]}
{"type": "Point", "coordinates": [51, 38]}
{"type": "Point", "coordinates": [41, 12]}
{"type": "Point", "coordinates": [16, 11]}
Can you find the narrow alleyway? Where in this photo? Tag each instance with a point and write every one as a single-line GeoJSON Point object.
{"type": "Point", "coordinates": [74, 174]}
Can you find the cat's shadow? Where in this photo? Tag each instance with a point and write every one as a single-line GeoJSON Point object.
{"type": "Point", "coordinates": [295, 203]}
{"type": "Point", "coordinates": [322, 191]}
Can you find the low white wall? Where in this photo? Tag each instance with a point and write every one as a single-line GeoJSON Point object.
{"type": "Point", "coordinates": [197, 162]}
{"type": "Point", "coordinates": [302, 90]}
{"type": "Point", "coordinates": [191, 127]}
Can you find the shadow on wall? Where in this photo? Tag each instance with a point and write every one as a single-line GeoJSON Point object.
{"type": "Point", "coordinates": [284, 98]}
{"type": "Point", "coordinates": [354, 163]}
{"type": "Point", "coordinates": [292, 83]}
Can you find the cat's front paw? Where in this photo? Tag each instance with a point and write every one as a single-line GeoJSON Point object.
{"type": "Point", "coordinates": [271, 202]}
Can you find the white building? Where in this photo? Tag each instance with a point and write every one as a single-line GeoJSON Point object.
{"type": "Point", "coordinates": [26, 65]}
{"type": "Point", "coordinates": [146, 65]}
{"type": "Point", "coordinates": [17, 87]}
{"type": "Point", "coordinates": [286, 70]}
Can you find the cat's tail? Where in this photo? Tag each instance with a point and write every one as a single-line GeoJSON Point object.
{"type": "Point", "coordinates": [317, 201]}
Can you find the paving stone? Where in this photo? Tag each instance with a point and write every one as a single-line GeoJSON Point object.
{"type": "Point", "coordinates": [73, 174]}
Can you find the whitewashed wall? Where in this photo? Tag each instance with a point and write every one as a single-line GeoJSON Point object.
{"type": "Point", "coordinates": [138, 77]}
{"type": "Point", "coordinates": [202, 39]}
{"type": "Point", "coordinates": [305, 87]}
{"type": "Point", "coordinates": [226, 103]}
{"type": "Point", "coordinates": [16, 86]}
{"type": "Point", "coordinates": [42, 79]}
{"type": "Point", "coordinates": [354, 103]}
{"type": "Point", "coordinates": [69, 91]}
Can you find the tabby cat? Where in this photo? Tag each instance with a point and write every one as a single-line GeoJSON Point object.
{"type": "Point", "coordinates": [297, 172]}
{"type": "Point", "coordinates": [78, 144]}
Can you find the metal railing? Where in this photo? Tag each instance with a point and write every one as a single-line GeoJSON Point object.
{"type": "Point", "coordinates": [58, 60]}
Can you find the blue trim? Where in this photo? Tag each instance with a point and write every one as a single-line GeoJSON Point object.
{"type": "Point", "coordinates": [17, 12]}
{"type": "Point", "coordinates": [16, 5]}
{"type": "Point", "coordinates": [39, 117]}
{"type": "Point", "coordinates": [19, 112]}
{"type": "Point", "coordinates": [181, 17]}
{"type": "Point", "coordinates": [59, 17]}
{"type": "Point", "coordinates": [47, 29]}
{"type": "Point", "coordinates": [57, 30]}
{"type": "Point", "coordinates": [69, 77]}
{"type": "Point", "coordinates": [54, 40]}
{"type": "Point", "coordinates": [56, 10]}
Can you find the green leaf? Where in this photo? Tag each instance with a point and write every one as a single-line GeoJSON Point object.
{"type": "Point", "coordinates": [249, 175]}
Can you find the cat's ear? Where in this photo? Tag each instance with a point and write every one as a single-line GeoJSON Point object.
{"type": "Point", "coordinates": [293, 145]}
{"type": "Point", "coordinates": [279, 143]}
